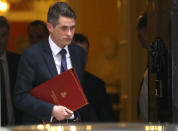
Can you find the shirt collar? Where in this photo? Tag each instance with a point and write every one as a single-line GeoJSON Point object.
{"type": "Point", "coordinates": [56, 49]}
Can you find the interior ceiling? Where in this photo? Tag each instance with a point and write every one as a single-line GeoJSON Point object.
{"type": "Point", "coordinates": [29, 0]}
{"type": "Point", "coordinates": [20, 5]}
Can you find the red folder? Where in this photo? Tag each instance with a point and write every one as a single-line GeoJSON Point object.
{"type": "Point", "coordinates": [64, 89]}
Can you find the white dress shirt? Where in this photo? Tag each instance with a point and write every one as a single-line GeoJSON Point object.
{"type": "Point", "coordinates": [143, 100]}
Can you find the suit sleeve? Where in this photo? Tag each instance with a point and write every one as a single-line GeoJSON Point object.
{"type": "Point", "coordinates": [25, 82]}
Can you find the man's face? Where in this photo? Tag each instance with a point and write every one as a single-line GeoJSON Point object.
{"type": "Point", "coordinates": [36, 33]}
{"type": "Point", "coordinates": [4, 36]}
{"type": "Point", "coordinates": [62, 34]}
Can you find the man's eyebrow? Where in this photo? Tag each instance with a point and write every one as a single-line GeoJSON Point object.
{"type": "Point", "coordinates": [67, 26]}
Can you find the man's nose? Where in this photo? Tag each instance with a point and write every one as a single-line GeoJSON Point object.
{"type": "Point", "coordinates": [69, 32]}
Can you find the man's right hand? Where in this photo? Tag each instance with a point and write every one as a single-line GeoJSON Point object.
{"type": "Point", "coordinates": [61, 112]}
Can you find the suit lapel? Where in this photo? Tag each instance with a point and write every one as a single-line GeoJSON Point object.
{"type": "Point", "coordinates": [10, 66]}
{"type": "Point", "coordinates": [47, 53]}
{"type": "Point", "coordinates": [76, 61]}
{"type": "Point", "coordinates": [50, 60]}
{"type": "Point", "coordinates": [73, 57]}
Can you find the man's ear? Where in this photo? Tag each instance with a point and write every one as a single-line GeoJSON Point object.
{"type": "Point", "coordinates": [50, 27]}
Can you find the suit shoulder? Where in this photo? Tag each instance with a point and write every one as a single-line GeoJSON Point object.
{"type": "Point", "coordinates": [76, 47]}
{"type": "Point", "coordinates": [34, 49]}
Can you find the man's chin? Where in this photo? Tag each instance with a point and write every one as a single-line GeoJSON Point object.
{"type": "Point", "coordinates": [68, 43]}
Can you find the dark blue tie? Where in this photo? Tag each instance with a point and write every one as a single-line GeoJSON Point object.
{"type": "Point", "coordinates": [63, 60]}
{"type": "Point", "coordinates": [63, 53]}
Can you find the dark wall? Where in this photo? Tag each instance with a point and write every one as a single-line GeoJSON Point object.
{"type": "Point", "coordinates": [174, 43]}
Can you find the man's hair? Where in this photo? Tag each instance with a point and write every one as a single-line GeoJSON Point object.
{"type": "Point", "coordinates": [59, 9]}
{"type": "Point", "coordinates": [142, 21]}
{"type": "Point", "coordinates": [38, 23]}
{"type": "Point", "coordinates": [4, 22]}
{"type": "Point", "coordinates": [80, 38]}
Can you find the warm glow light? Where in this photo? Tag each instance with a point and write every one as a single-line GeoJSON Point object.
{"type": "Point", "coordinates": [72, 128]}
{"type": "Point", "coordinates": [40, 127]}
{"type": "Point", "coordinates": [52, 129]}
{"type": "Point", "coordinates": [88, 127]}
{"type": "Point", "coordinates": [4, 6]}
{"type": "Point", "coordinates": [160, 128]}
{"type": "Point", "coordinates": [60, 128]}
{"type": "Point", "coordinates": [154, 128]}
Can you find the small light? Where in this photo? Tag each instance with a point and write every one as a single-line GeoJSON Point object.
{"type": "Point", "coordinates": [40, 127]}
{"type": "Point", "coordinates": [147, 128]}
{"type": "Point", "coordinates": [60, 128]}
{"type": "Point", "coordinates": [160, 128]}
{"type": "Point", "coordinates": [152, 128]}
{"type": "Point", "coordinates": [72, 128]}
{"type": "Point", "coordinates": [4, 6]}
{"type": "Point", "coordinates": [88, 127]}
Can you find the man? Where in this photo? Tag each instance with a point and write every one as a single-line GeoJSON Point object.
{"type": "Point", "coordinates": [142, 31]}
{"type": "Point", "coordinates": [8, 69]}
{"type": "Point", "coordinates": [143, 93]}
{"type": "Point", "coordinates": [158, 66]}
{"type": "Point", "coordinates": [37, 30]}
{"type": "Point", "coordinates": [94, 88]}
{"type": "Point", "coordinates": [45, 60]}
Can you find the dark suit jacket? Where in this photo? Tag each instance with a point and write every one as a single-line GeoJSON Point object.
{"type": "Point", "coordinates": [37, 66]}
{"type": "Point", "coordinates": [13, 60]}
{"type": "Point", "coordinates": [95, 91]}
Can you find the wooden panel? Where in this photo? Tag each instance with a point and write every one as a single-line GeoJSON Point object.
{"type": "Point", "coordinates": [18, 36]}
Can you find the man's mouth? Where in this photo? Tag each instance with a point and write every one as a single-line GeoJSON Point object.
{"type": "Point", "coordinates": [68, 39]}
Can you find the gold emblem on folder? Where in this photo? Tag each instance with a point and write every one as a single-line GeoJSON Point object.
{"type": "Point", "coordinates": [63, 94]}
